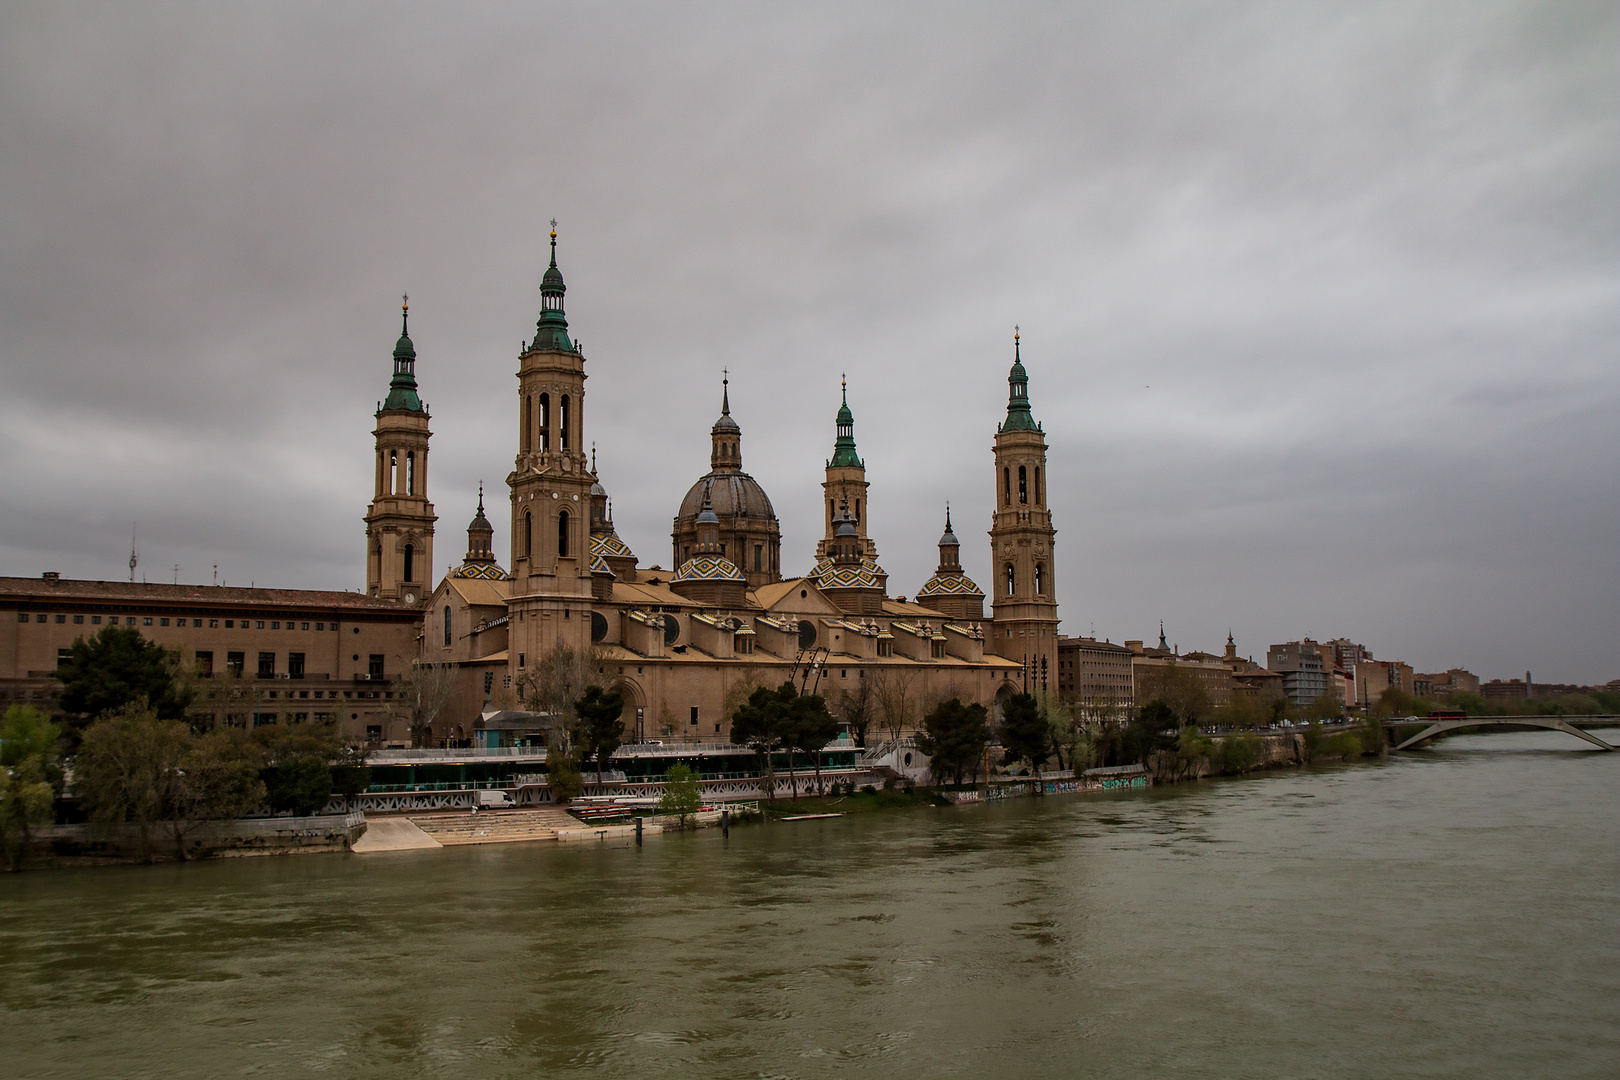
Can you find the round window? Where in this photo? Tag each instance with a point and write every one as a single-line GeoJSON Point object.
{"type": "Point", "coordinates": [599, 627]}
{"type": "Point", "coordinates": [908, 759]}
{"type": "Point", "coordinates": [807, 634]}
{"type": "Point", "coordinates": [672, 628]}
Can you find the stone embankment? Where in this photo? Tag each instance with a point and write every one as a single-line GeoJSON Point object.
{"type": "Point", "coordinates": [105, 843]}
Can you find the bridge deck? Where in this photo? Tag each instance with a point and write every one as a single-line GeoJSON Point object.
{"type": "Point", "coordinates": [1549, 723]}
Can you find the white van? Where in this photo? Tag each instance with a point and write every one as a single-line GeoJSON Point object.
{"type": "Point", "coordinates": [490, 800]}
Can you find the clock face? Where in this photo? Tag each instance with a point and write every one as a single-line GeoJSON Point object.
{"type": "Point", "coordinates": [410, 598]}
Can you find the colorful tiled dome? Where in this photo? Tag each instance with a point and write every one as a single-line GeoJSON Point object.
{"type": "Point", "coordinates": [707, 568]}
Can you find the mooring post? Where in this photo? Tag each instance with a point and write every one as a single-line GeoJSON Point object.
{"type": "Point", "coordinates": [725, 823]}
{"type": "Point", "coordinates": [638, 832]}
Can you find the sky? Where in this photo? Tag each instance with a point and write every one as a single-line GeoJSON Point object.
{"type": "Point", "coordinates": [1320, 302]}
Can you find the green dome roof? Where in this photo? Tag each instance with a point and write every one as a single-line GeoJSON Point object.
{"type": "Point", "coordinates": [844, 455]}
{"type": "Point", "coordinates": [1019, 418]}
{"type": "Point", "coordinates": [402, 387]}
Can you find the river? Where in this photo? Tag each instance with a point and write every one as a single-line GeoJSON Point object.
{"type": "Point", "coordinates": [1451, 912]}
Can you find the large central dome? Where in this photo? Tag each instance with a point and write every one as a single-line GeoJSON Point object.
{"type": "Point", "coordinates": [731, 494]}
{"type": "Point", "coordinates": [749, 535]}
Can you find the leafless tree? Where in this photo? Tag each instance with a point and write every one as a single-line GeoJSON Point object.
{"type": "Point", "coordinates": [896, 701]}
{"type": "Point", "coordinates": [421, 692]}
{"type": "Point", "coordinates": [556, 680]}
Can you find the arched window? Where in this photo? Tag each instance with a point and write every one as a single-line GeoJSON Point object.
{"type": "Point", "coordinates": [562, 532]}
{"type": "Point", "coordinates": [545, 422]}
{"type": "Point", "coordinates": [1023, 485]}
{"type": "Point", "coordinates": [1040, 580]}
{"type": "Point", "coordinates": [1038, 497]}
{"type": "Point", "coordinates": [857, 509]}
{"type": "Point", "coordinates": [526, 442]}
{"type": "Point", "coordinates": [528, 535]}
{"type": "Point", "coordinates": [1006, 486]}
{"type": "Point", "coordinates": [410, 472]}
{"type": "Point", "coordinates": [393, 471]}
{"type": "Point", "coordinates": [829, 513]}
{"type": "Point", "coordinates": [1012, 580]}
{"type": "Point", "coordinates": [410, 562]}
{"type": "Point", "coordinates": [447, 626]}
{"type": "Point", "coordinates": [562, 423]}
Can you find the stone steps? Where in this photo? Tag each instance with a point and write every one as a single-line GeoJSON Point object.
{"type": "Point", "coordinates": [495, 826]}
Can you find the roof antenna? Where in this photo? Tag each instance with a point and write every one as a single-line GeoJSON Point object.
{"type": "Point", "coordinates": [133, 557]}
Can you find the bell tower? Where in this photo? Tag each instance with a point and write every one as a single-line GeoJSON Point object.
{"type": "Point", "coordinates": [551, 480]}
{"type": "Point", "coordinates": [399, 523]}
{"type": "Point", "coordinates": [844, 489]}
{"type": "Point", "coordinates": [1024, 618]}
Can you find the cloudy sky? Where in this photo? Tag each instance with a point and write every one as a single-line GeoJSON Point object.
{"type": "Point", "coordinates": [1320, 303]}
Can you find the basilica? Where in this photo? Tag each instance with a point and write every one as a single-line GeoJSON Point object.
{"type": "Point", "coordinates": [682, 646]}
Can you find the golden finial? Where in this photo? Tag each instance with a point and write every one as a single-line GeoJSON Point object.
{"type": "Point", "coordinates": [1015, 331]}
{"type": "Point", "coordinates": [554, 228]}
{"type": "Point", "coordinates": [405, 302]}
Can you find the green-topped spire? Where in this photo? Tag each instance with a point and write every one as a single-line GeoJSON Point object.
{"type": "Point", "coordinates": [551, 331]}
{"type": "Point", "coordinates": [402, 388]}
{"type": "Point", "coordinates": [844, 455]}
{"type": "Point", "coordinates": [1019, 418]}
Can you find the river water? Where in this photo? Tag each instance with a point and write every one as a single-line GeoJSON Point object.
{"type": "Point", "coordinates": [1453, 912]}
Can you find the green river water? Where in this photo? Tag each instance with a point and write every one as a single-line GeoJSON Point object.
{"type": "Point", "coordinates": [1453, 912]}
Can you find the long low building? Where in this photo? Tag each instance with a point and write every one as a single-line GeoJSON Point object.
{"type": "Point", "coordinates": [261, 655]}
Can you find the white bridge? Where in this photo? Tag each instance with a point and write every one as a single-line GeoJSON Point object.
{"type": "Point", "coordinates": [1550, 723]}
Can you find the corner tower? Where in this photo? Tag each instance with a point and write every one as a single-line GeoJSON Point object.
{"type": "Point", "coordinates": [1024, 617]}
{"type": "Point", "coordinates": [845, 486]}
{"type": "Point", "coordinates": [399, 522]}
{"type": "Point", "coordinates": [550, 597]}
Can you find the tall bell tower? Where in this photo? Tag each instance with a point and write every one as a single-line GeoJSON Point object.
{"type": "Point", "coordinates": [399, 523]}
{"type": "Point", "coordinates": [1025, 619]}
{"type": "Point", "coordinates": [550, 597]}
{"type": "Point", "coordinates": [845, 486]}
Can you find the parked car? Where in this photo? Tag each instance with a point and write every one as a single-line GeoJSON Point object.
{"type": "Point", "coordinates": [490, 800]}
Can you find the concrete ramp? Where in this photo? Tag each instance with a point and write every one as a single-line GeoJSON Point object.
{"type": "Point", "coordinates": [392, 834]}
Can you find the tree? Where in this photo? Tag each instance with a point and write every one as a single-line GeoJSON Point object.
{"type": "Point", "coordinates": [762, 725]}
{"type": "Point", "coordinates": [810, 728]}
{"type": "Point", "coordinates": [954, 736]}
{"type": "Point", "coordinates": [26, 799]}
{"type": "Point", "coordinates": [115, 668]}
{"type": "Point", "coordinates": [26, 733]}
{"type": "Point", "coordinates": [856, 708]}
{"type": "Point", "coordinates": [896, 706]}
{"type": "Point", "coordinates": [301, 785]}
{"type": "Point", "coordinates": [1060, 729]}
{"type": "Point", "coordinates": [29, 778]}
{"type": "Point", "coordinates": [351, 776]}
{"type": "Point", "coordinates": [682, 796]}
{"type": "Point", "coordinates": [562, 773]}
{"type": "Point", "coordinates": [1325, 707]}
{"type": "Point", "coordinates": [126, 767]}
{"type": "Point", "coordinates": [420, 694]}
{"type": "Point", "coordinates": [1240, 752]}
{"type": "Point", "coordinates": [1025, 733]}
{"type": "Point", "coordinates": [555, 681]}
{"type": "Point", "coordinates": [1179, 688]}
{"type": "Point", "coordinates": [218, 780]}
{"type": "Point", "coordinates": [601, 725]}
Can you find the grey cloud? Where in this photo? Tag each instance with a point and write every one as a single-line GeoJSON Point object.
{"type": "Point", "coordinates": [1320, 302]}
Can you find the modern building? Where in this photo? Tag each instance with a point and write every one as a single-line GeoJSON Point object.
{"type": "Point", "coordinates": [1306, 676]}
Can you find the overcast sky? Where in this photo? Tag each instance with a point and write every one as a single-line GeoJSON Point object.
{"type": "Point", "coordinates": [1320, 303]}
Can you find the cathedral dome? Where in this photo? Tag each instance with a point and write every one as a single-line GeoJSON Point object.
{"type": "Point", "coordinates": [732, 494]}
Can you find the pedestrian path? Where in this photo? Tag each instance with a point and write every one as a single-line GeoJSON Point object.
{"type": "Point", "coordinates": [392, 834]}
{"type": "Point", "coordinates": [494, 826]}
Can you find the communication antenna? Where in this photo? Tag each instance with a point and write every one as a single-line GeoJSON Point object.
{"type": "Point", "coordinates": [177, 573]}
{"type": "Point", "coordinates": [216, 575]}
{"type": "Point", "coordinates": [133, 557]}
